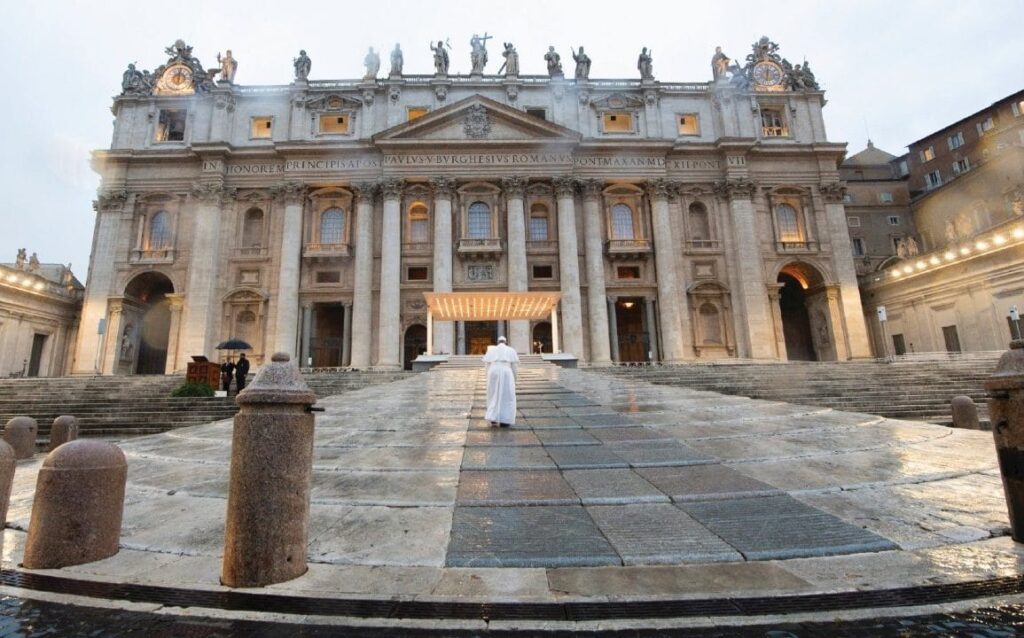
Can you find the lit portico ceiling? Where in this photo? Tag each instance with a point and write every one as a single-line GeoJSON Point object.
{"type": "Point", "coordinates": [491, 306]}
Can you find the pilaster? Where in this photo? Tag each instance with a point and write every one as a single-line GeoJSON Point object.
{"type": "Point", "coordinates": [569, 267]}
{"type": "Point", "coordinates": [389, 325]}
{"type": "Point", "coordinates": [671, 303]}
{"type": "Point", "coordinates": [515, 190]}
{"type": "Point", "coordinates": [594, 255]}
{"type": "Point", "coordinates": [849, 303]}
{"type": "Point", "coordinates": [443, 189]}
{"type": "Point", "coordinates": [362, 294]}
{"type": "Point", "coordinates": [176, 303]}
{"type": "Point", "coordinates": [287, 324]}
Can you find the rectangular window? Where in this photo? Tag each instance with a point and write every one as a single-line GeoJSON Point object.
{"type": "Point", "coordinates": [618, 122]}
{"type": "Point", "coordinates": [417, 273]}
{"type": "Point", "coordinates": [933, 180]}
{"type": "Point", "coordinates": [899, 345]}
{"type": "Point", "coordinates": [334, 123]}
{"type": "Point", "coordinates": [928, 154]}
{"type": "Point", "coordinates": [171, 125]}
{"type": "Point", "coordinates": [543, 271]}
{"type": "Point", "coordinates": [894, 220]}
{"type": "Point", "coordinates": [885, 197]}
{"type": "Point", "coordinates": [328, 276]}
{"type": "Point", "coordinates": [952, 339]}
{"type": "Point", "coordinates": [688, 124]}
{"type": "Point", "coordinates": [538, 228]}
{"type": "Point", "coordinates": [414, 112]}
{"type": "Point", "coordinates": [902, 168]}
{"type": "Point", "coordinates": [537, 112]}
{"type": "Point", "coordinates": [773, 124]}
{"type": "Point", "coordinates": [1017, 108]}
{"type": "Point", "coordinates": [853, 222]}
{"type": "Point", "coordinates": [261, 128]}
{"type": "Point", "coordinates": [961, 166]}
{"type": "Point", "coordinates": [858, 246]}
{"type": "Point", "coordinates": [985, 125]}
{"type": "Point", "coordinates": [955, 141]}
{"type": "Point", "coordinates": [627, 272]}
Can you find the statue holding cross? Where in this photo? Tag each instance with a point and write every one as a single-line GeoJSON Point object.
{"type": "Point", "coordinates": [478, 56]}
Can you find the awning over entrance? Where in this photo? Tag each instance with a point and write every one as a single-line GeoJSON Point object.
{"type": "Point", "coordinates": [491, 306]}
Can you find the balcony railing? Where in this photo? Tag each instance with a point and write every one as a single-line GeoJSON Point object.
{"type": "Point", "coordinates": [326, 250]}
{"type": "Point", "coordinates": [417, 248]}
{"type": "Point", "coordinates": [703, 245]}
{"type": "Point", "coordinates": [251, 252]}
{"type": "Point", "coordinates": [480, 248]}
{"type": "Point", "coordinates": [147, 256]}
{"type": "Point", "coordinates": [541, 246]}
{"type": "Point", "coordinates": [796, 246]}
{"type": "Point", "coordinates": [627, 248]}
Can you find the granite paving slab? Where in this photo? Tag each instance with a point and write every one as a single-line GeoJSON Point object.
{"type": "Point", "coordinates": [565, 436]}
{"type": "Point", "coordinates": [705, 482]}
{"type": "Point", "coordinates": [506, 458]}
{"type": "Point", "coordinates": [658, 453]}
{"type": "Point", "coordinates": [548, 423]}
{"type": "Point", "coordinates": [524, 487]}
{"type": "Point", "coordinates": [615, 434]}
{"type": "Point", "coordinates": [570, 457]}
{"type": "Point", "coordinates": [612, 487]}
{"type": "Point", "coordinates": [501, 436]}
{"type": "Point", "coordinates": [606, 421]}
{"type": "Point", "coordinates": [651, 533]}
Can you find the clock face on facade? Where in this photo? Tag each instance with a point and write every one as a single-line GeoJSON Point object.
{"type": "Point", "coordinates": [176, 80]}
{"type": "Point", "coordinates": [767, 76]}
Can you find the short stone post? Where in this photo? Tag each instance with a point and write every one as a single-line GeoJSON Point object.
{"type": "Point", "coordinates": [965, 413]}
{"type": "Point", "coordinates": [20, 434]}
{"type": "Point", "coordinates": [78, 505]}
{"type": "Point", "coordinates": [267, 529]}
{"type": "Point", "coordinates": [8, 460]}
{"type": "Point", "coordinates": [1006, 411]}
{"type": "Point", "coordinates": [64, 429]}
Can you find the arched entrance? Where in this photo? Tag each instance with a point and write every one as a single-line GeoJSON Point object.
{"type": "Point", "coordinates": [151, 334]}
{"type": "Point", "coordinates": [541, 341]}
{"type": "Point", "coordinates": [804, 308]}
{"type": "Point", "coordinates": [415, 343]}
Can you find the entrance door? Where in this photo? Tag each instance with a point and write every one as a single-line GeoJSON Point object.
{"type": "Point", "coordinates": [328, 326]}
{"type": "Point", "coordinates": [541, 338]}
{"type": "Point", "coordinates": [415, 343]}
{"type": "Point", "coordinates": [951, 336]}
{"type": "Point", "coordinates": [38, 341]}
{"type": "Point", "coordinates": [633, 338]}
{"type": "Point", "coordinates": [156, 327]}
{"type": "Point", "coordinates": [796, 323]}
{"type": "Point", "coordinates": [479, 335]}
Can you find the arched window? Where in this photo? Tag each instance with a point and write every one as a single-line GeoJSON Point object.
{"type": "Point", "coordinates": [711, 326]}
{"type": "Point", "coordinates": [160, 231]}
{"type": "Point", "coordinates": [538, 222]}
{"type": "Point", "coordinates": [252, 228]}
{"type": "Point", "coordinates": [622, 222]}
{"type": "Point", "coordinates": [332, 226]}
{"type": "Point", "coordinates": [419, 224]}
{"type": "Point", "coordinates": [479, 226]}
{"type": "Point", "coordinates": [699, 227]}
{"type": "Point", "coordinates": [788, 220]}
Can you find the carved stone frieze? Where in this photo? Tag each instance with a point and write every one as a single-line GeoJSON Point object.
{"type": "Point", "coordinates": [442, 187]}
{"type": "Point", "coordinates": [514, 186]}
{"type": "Point", "coordinates": [111, 199]}
{"type": "Point", "coordinates": [591, 188]}
{"type": "Point", "coordinates": [392, 188]}
{"type": "Point", "coordinates": [833, 192]}
{"type": "Point", "coordinates": [441, 92]}
{"type": "Point", "coordinates": [660, 188]}
{"type": "Point", "coordinates": [564, 186]}
{"type": "Point", "coordinates": [364, 191]}
{"type": "Point", "coordinates": [736, 188]}
{"type": "Point", "coordinates": [207, 192]}
{"type": "Point", "coordinates": [512, 92]}
{"type": "Point", "coordinates": [290, 192]}
{"type": "Point", "coordinates": [477, 124]}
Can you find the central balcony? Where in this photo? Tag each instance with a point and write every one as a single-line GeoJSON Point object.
{"type": "Point", "coordinates": [480, 248]}
{"type": "Point", "coordinates": [541, 247]}
{"type": "Point", "coordinates": [326, 251]}
{"type": "Point", "coordinates": [627, 248]}
{"type": "Point", "coordinates": [804, 247]}
{"type": "Point", "coordinates": [158, 256]}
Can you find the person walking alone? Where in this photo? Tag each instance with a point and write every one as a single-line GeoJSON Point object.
{"type": "Point", "coordinates": [502, 365]}
{"type": "Point", "coordinates": [241, 369]}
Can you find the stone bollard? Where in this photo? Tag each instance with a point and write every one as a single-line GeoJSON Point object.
{"type": "Point", "coordinates": [965, 413]}
{"type": "Point", "coordinates": [8, 460]}
{"type": "Point", "coordinates": [267, 529]}
{"type": "Point", "coordinates": [20, 433]}
{"type": "Point", "coordinates": [64, 429]}
{"type": "Point", "coordinates": [78, 505]}
{"type": "Point", "coordinates": [1006, 411]}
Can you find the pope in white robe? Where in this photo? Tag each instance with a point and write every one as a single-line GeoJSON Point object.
{"type": "Point", "coordinates": [502, 364]}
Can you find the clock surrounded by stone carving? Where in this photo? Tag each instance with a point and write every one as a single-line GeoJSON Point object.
{"type": "Point", "coordinates": [176, 80]}
{"type": "Point", "coordinates": [767, 76]}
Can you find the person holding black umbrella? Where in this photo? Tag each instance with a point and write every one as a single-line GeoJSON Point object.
{"type": "Point", "coordinates": [227, 370]}
{"type": "Point", "coordinates": [241, 369]}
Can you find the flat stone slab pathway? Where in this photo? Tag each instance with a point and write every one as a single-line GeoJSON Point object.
{"type": "Point", "coordinates": [605, 488]}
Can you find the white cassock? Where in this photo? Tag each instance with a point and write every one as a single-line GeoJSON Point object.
{"type": "Point", "coordinates": [502, 364]}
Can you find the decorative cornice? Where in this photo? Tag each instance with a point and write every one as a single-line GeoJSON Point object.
{"type": "Point", "coordinates": [565, 186]}
{"type": "Point", "coordinates": [442, 187]}
{"type": "Point", "coordinates": [110, 200]}
{"type": "Point", "coordinates": [660, 189]}
{"type": "Point", "coordinates": [207, 192]}
{"type": "Point", "coordinates": [741, 188]}
{"type": "Point", "coordinates": [290, 192]}
{"type": "Point", "coordinates": [591, 188]}
{"type": "Point", "coordinates": [392, 188]}
{"type": "Point", "coordinates": [514, 186]}
{"type": "Point", "coordinates": [833, 192]}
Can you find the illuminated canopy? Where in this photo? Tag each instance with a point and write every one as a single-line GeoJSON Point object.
{"type": "Point", "coordinates": [491, 306]}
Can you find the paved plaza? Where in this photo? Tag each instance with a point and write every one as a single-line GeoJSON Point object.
{"type": "Point", "coordinates": [606, 490]}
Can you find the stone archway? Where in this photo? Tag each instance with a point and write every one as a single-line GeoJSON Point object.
{"type": "Point", "coordinates": [807, 319]}
{"type": "Point", "coordinates": [144, 333]}
{"type": "Point", "coordinates": [415, 343]}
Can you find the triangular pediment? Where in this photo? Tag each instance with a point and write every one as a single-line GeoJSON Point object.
{"type": "Point", "coordinates": [476, 120]}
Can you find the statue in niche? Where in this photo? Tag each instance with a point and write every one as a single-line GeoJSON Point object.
{"type": "Point", "coordinates": [645, 64]}
{"type": "Point", "coordinates": [912, 248]}
{"type": "Point", "coordinates": [228, 67]}
{"type": "Point", "coordinates": [554, 63]}
{"type": "Point", "coordinates": [511, 64]}
{"type": "Point", "coordinates": [302, 66]}
{"type": "Point", "coordinates": [901, 248]}
{"type": "Point", "coordinates": [964, 226]}
{"type": "Point", "coordinates": [950, 231]}
{"type": "Point", "coordinates": [1015, 199]}
{"type": "Point", "coordinates": [582, 64]}
{"type": "Point", "coordinates": [127, 347]}
{"type": "Point", "coordinates": [719, 64]}
{"type": "Point", "coordinates": [22, 258]}
{"type": "Point", "coordinates": [478, 53]}
{"type": "Point", "coordinates": [440, 58]}
{"type": "Point", "coordinates": [33, 263]}
{"type": "Point", "coordinates": [397, 61]}
{"type": "Point", "coordinates": [372, 63]}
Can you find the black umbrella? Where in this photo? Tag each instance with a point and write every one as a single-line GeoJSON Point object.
{"type": "Point", "coordinates": [234, 344]}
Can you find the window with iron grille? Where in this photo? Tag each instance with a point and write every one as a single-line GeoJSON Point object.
{"type": "Point", "coordinates": [479, 226]}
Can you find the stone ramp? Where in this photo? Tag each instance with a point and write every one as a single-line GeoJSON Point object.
{"type": "Point", "coordinates": [919, 388]}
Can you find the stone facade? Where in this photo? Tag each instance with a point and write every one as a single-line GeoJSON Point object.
{"type": "Point", "coordinates": [39, 315]}
{"type": "Point", "coordinates": [680, 221]}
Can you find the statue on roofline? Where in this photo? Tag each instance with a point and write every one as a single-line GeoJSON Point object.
{"type": "Point", "coordinates": [582, 64]}
{"type": "Point", "coordinates": [372, 63]}
{"type": "Point", "coordinates": [397, 61]}
{"type": "Point", "coordinates": [22, 258]}
{"type": "Point", "coordinates": [645, 64]}
{"type": "Point", "coordinates": [719, 64]}
{"type": "Point", "coordinates": [441, 60]}
{"type": "Point", "coordinates": [554, 63]}
{"type": "Point", "coordinates": [302, 66]}
{"type": "Point", "coordinates": [511, 64]}
{"type": "Point", "coordinates": [228, 67]}
{"type": "Point", "coordinates": [478, 54]}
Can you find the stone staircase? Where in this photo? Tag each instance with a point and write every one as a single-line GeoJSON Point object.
{"type": "Point", "coordinates": [468, 361]}
{"type": "Point", "coordinates": [911, 389]}
{"type": "Point", "coordinates": [132, 405]}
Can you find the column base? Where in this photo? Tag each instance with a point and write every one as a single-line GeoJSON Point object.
{"type": "Point", "coordinates": [385, 368]}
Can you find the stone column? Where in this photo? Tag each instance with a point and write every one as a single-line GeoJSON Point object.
{"type": "Point", "coordinates": [836, 324]}
{"type": "Point", "coordinates": [757, 337]}
{"type": "Point", "coordinates": [307, 333]}
{"type": "Point", "coordinates": [674, 342]}
{"type": "Point", "coordinates": [593, 238]}
{"type": "Point", "coordinates": [775, 301]}
{"type": "Point", "coordinates": [362, 295]}
{"type": "Point", "coordinates": [515, 191]}
{"type": "Point", "coordinates": [569, 267]}
{"type": "Point", "coordinates": [115, 324]}
{"type": "Point", "coordinates": [287, 325]}
{"type": "Point", "coordinates": [652, 328]}
{"type": "Point", "coordinates": [198, 331]}
{"type": "Point", "coordinates": [556, 342]}
{"type": "Point", "coordinates": [346, 337]}
{"type": "Point", "coordinates": [613, 330]}
{"type": "Point", "coordinates": [430, 331]}
{"type": "Point", "coordinates": [109, 207]}
{"type": "Point", "coordinates": [461, 346]}
{"type": "Point", "coordinates": [176, 303]}
{"type": "Point", "coordinates": [389, 330]}
{"type": "Point", "coordinates": [444, 190]}
{"type": "Point", "coordinates": [849, 303]}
